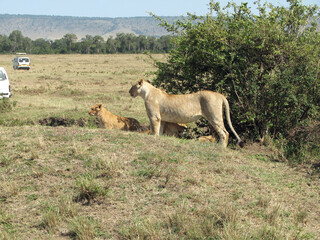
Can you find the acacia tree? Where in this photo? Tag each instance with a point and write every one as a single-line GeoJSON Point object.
{"type": "Point", "coordinates": [266, 64]}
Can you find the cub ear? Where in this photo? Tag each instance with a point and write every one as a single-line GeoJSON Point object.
{"type": "Point", "coordinates": [99, 105]}
{"type": "Point", "coordinates": [140, 82]}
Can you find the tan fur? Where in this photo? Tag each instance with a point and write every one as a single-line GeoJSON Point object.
{"type": "Point", "coordinates": [171, 129]}
{"type": "Point", "coordinates": [112, 121]}
{"type": "Point", "coordinates": [209, 138]}
{"type": "Point", "coordinates": [161, 107]}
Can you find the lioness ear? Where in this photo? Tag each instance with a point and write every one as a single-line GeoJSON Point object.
{"type": "Point", "coordinates": [140, 82]}
{"type": "Point", "coordinates": [148, 81]}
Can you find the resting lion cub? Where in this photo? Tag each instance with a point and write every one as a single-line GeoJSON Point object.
{"type": "Point", "coordinates": [162, 106]}
{"type": "Point", "coordinates": [111, 121]}
{"type": "Point", "coordinates": [171, 129]}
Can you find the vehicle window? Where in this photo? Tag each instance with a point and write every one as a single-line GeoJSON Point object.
{"type": "Point", "coordinates": [2, 76]}
{"type": "Point", "coordinates": [23, 59]}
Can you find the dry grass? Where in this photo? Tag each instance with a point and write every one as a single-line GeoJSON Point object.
{"type": "Point", "coordinates": [68, 85]}
{"type": "Point", "coordinates": [89, 183]}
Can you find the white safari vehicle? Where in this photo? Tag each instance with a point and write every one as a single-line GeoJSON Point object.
{"type": "Point", "coordinates": [21, 63]}
{"type": "Point", "coordinates": [4, 84]}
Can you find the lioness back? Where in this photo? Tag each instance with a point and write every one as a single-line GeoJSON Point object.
{"type": "Point", "coordinates": [188, 107]}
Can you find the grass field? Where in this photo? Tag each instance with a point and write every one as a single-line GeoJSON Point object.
{"type": "Point", "coordinates": [82, 182]}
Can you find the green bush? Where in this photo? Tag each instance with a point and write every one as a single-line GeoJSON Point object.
{"type": "Point", "coordinates": [266, 64]}
{"type": "Point", "coordinates": [302, 145]}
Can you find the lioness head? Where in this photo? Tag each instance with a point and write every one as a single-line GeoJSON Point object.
{"type": "Point", "coordinates": [95, 109]}
{"type": "Point", "coordinates": [136, 88]}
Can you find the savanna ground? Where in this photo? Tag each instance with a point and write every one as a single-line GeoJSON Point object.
{"type": "Point", "coordinates": [80, 182]}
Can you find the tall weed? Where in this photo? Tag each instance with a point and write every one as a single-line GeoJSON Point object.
{"type": "Point", "coordinates": [6, 105]}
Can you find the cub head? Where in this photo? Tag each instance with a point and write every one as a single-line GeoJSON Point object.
{"type": "Point", "coordinates": [95, 109]}
{"type": "Point", "coordinates": [135, 90]}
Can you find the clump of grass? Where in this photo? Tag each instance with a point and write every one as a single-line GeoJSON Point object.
{"type": "Point", "coordinates": [267, 232]}
{"type": "Point", "coordinates": [206, 223]}
{"type": "Point", "coordinates": [6, 105]}
{"type": "Point", "coordinates": [5, 160]}
{"type": "Point", "coordinates": [7, 231]}
{"type": "Point", "coordinates": [142, 229]}
{"type": "Point", "coordinates": [84, 228]}
{"type": "Point", "coordinates": [67, 208]}
{"type": "Point", "coordinates": [263, 201]}
{"type": "Point", "coordinates": [106, 168]}
{"type": "Point", "coordinates": [148, 165]}
{"type": "Point", "coordinates": [7, 190]}
{"type": "Point", "coordinates": [51, 219]}
{"type": "Point", "coordinates": [273, 214]}
{"type": "Point", "coordinates": [88, 188]}
{"type": "Point", "coordinates": [301, 216]}
{"type": "Point", "coordinates": [55, 213]}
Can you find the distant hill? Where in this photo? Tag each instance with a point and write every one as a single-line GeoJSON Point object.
{"type": "Point", "coordinates": [55, 27]}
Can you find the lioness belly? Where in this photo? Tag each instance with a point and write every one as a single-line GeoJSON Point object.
{"type": "Point", "coordinates": [177, 117]}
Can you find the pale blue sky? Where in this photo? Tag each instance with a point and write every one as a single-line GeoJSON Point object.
{"type": "Point", "coordinates": [117, 8]}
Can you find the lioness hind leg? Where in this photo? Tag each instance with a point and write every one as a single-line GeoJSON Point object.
{"type": "Point", "coordinates": [223, 134]}
{"type": "Point", "coordinates": [161, 128]}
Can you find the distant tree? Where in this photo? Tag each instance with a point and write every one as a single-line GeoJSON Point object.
{"type": "Point", "coordinates": [122, 38]}
{"type": "Point", "coordinates": [142, 43]}
{"type": "Point", "coordinates": [152, 43]}
{"type": "Point", "coordinates": [165, 43]}
{"type": "Point", "coordinates": [26, 45]}
{"type": "Point", "coordinates": [16, 39]}
{"type": "Point", "coordinates": [5, 44]}
{"type": "Point", "coordinates": [86, 44]}
{"type": "Point", "coordinates": [60, 46]}
{"type": "Point", "coordinates": [41, 46]}
{"type": "Point", "coordinates": [98, 43]}
{"type": "Point", "coordinates": [69, 39]}
{"type": "Point", "coordinates": [111, 45]}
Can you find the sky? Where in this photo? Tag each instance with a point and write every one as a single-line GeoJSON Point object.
{"type": "Point", "coordinates": [119, 8]}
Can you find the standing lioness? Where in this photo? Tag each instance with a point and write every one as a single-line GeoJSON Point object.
{"type": "Point", "coordinates": [162, 106]}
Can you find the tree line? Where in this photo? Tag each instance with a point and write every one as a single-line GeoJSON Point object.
{"type": "Point", "coordinates": [121, 43]}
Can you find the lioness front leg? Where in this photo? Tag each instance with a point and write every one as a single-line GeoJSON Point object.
{"type": "Point", "coordinates": [155, 125]}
